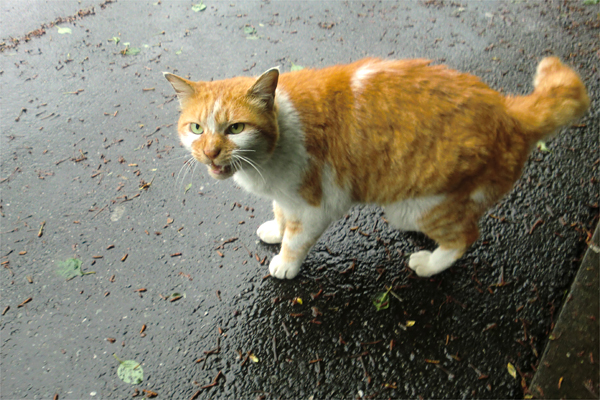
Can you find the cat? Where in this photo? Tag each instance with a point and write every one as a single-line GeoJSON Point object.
{"type": "Point", "coordinates": [435, 147]}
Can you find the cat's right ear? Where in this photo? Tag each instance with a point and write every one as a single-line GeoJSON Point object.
{"type": "Point", "coordinates": [183, 87]}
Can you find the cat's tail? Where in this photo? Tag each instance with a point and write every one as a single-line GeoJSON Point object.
{"type": "Point", "coordinates": [559, 98]}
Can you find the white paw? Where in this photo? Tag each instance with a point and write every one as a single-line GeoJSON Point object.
{"type": "Point", "coordinates": [282, 270]}
{"type": "Point", "coordinates": [426, 263]}
{"type": "Point", "coordinates": [419, 262]}
{"type": "Point", "coordinates": [269, 232]}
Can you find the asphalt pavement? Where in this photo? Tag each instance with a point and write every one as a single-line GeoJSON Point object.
{"type": "Point", "coordinates": [172, 275]}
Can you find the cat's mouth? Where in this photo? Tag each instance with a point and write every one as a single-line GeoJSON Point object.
{"type": "Point", "coordinates": [220, 171]}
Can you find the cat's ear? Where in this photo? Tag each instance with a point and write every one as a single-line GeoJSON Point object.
{"type": "Point", "coordinates": [264, 87]}
{"type": "Point", "coordinates": [183, 87]}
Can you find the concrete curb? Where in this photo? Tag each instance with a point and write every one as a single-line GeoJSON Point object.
{"type": "Point", "coordinates": [569, 365]}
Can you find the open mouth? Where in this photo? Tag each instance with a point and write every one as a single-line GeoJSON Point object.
{"type": "Point", "coordinates": [220, 170]}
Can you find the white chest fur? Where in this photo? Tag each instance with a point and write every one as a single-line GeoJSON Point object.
{"type": "Point", "coordinates": [280, 176]}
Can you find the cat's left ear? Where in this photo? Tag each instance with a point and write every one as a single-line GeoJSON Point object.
{"type": "Point", "coordinates": [183, 87]}
{"type": "Point", "coordinates": [264, 87]}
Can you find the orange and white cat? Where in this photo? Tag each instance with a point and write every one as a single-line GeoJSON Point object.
{"type": "Point", "coordinates": [433, 146]}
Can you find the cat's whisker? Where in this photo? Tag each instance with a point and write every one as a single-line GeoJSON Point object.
{"type": "Point", "coordinates": [252, 164]}
{"type": "Point", "coordinates": [179, 173]}
{"type": "Point", "coordinates": [235, 162]}
{"type": "Point", "coordinates": [185, 154]}
{"type": "Point", "coordinates": [178, 154]}
{"type": "Point", "coordinates": [186, 166]}
{"type": "Point", "coordinates": [196, 163]}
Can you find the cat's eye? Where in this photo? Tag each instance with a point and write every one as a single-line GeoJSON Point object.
{"type": "Point", "coordinates": [196, 128]}
{"type": "Point", "coordinates": [236, 128]}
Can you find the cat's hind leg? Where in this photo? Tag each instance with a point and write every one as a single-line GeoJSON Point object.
{"type": "Point", "coordinates": [271, 232]}
{"type": "Point", "coordinates": [454, 228]}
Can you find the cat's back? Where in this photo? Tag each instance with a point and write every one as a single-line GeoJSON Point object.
{"type": "Point", "coordinates": [409, 96]}
{"type": "Point", "coordinates": [368, 76]}
{"type": "Point", "coordinates": [388, 126]}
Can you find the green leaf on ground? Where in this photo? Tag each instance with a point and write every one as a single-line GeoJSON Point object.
{"type": "Point", "coordinates": [199, 7]}
{"type": "Point", "coordinates": [296, 67]}
{"type": "Point", "coordinates": [382, 301]}
{"type": "Point", "coordinates": [115, 39]}
{"type": "Point", "coordinates": [178, 52]}
{"type": "Point", "coordinates": [132, 51]}
{"type": "Point", "coordinates": [542, 146]}
{"type": "Point", "coordinates": [188, 187]}
{"type": "Point", "coordinates": [250, 32]}
{"type": "Point", "coordinates": [591, 2]}
{"type": "Point", "coordinates": [63, 31]}
{"type": "Point", "coordinates": [130, 371]}
{"type": "Point", "coordinates": [71, 268]}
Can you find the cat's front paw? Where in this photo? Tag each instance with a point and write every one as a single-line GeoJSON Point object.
{"type": "Point", "coordinates": [419, 262]}
{"type": "Point", "coordinates": [269, 232]}
{"type": "Point", "coordinates": [283, 270]}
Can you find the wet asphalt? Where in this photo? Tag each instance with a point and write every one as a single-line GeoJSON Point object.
{"type": "Point", "coordinates": [91, 168]}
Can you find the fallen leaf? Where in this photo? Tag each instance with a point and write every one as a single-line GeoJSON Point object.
{"type": "Point", "coordinates": [63, 31]}
{"type": "Point", "coordinates": [410, 323]}
{"type": "Point", "coordinates": [132, 51]}
{"type": "Point", "coordinates": [71, 268]}
{"type": "Point", "coordinates": [149, 393]}
{"type": "Point", "coordinates": [199, 7]}
{"type": "Point", "coordinates": [511, 370]}
{"type": "Point", "coordinates": [296, 67]}
{"type": "Point", "coordinates": [130, 371]}
{"type": "Point", "coordinates": [381, 301]}
{"type": "Point", "coordinates": [253, 358]}
{"type": "Point", "coordinates": [541, 145]}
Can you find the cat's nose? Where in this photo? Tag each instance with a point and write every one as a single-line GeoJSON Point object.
{"type": "Point", "coordinates": [212, 152]}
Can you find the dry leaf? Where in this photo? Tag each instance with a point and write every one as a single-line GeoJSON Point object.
{"type": "Point", "coordinates": [511, 370]}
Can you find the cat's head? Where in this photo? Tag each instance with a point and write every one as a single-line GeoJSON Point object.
{"type": "Point", "coordinates": [228, 125]}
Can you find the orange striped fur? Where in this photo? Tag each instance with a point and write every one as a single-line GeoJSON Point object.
{"type": "Point", "coordinates": [434, 146]}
